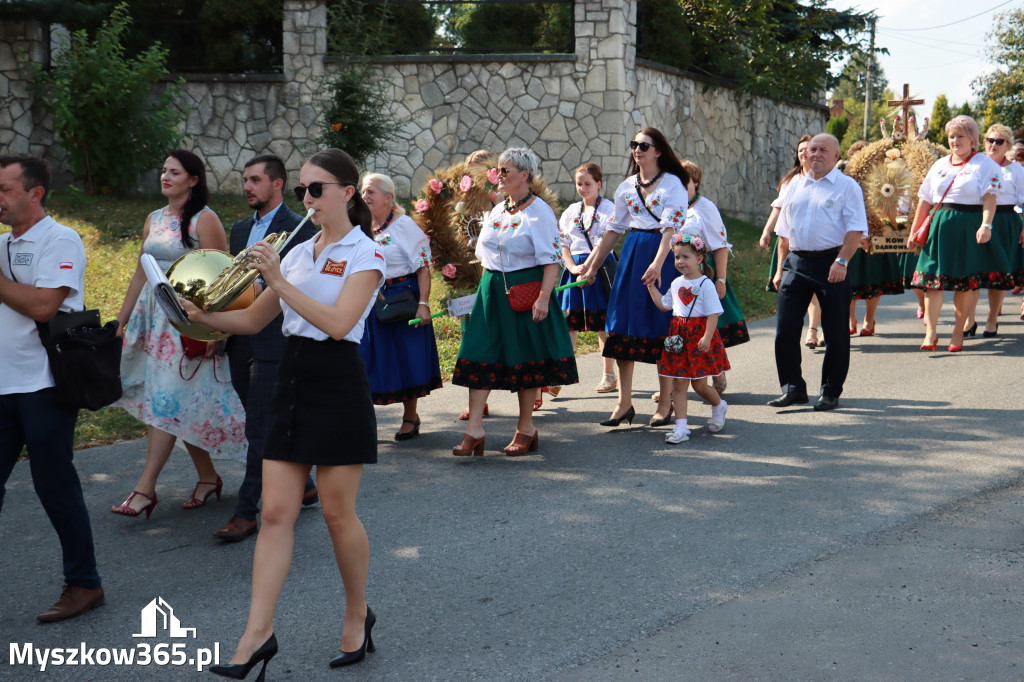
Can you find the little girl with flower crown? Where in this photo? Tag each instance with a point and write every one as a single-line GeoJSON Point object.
{"type": "Point", "coordinates": [693, 349]}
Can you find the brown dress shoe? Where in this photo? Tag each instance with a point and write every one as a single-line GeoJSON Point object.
{"type": "Point", "coordinates": [236, 529]}
{"type": "Point", "coordinates": [311, 496]}
{"type": "Point", "coordinates": [74, 601]}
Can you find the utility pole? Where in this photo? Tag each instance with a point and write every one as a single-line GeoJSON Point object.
{"type": "Point", "coordinates": [867, 82]}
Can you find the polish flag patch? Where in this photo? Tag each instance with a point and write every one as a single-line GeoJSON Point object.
{"type": "Point", "coordinates": [66, 265]}
{"type": "Point", "coordinates": [333, 267]}
{"type": "Point", "coordinates": [378, 254]}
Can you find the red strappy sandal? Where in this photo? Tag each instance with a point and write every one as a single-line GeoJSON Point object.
{"type": "Point", "coordinates": [126, 508]}
{"type": "Point", "coordinates": [194, 502]}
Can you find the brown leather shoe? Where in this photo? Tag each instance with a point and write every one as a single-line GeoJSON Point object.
{"type": "Point", "coordinates": [309, 497]}
{"type": "Point", "coordinates": [74, 601]}
{"type": "Point", "coordinates": [236, 529]}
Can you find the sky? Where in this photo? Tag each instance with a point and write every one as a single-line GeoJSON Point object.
{"type": "Point", "coordinates": [933, 58]}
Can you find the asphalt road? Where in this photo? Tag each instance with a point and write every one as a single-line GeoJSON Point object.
{"type": "Point", "coordinates": [881, 541]}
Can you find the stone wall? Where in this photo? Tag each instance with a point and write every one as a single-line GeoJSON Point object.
{"type": "Point", "coordinates": [568, 108]}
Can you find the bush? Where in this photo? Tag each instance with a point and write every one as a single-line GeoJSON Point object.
{"type": "Point", "coordinates": [110, 122]}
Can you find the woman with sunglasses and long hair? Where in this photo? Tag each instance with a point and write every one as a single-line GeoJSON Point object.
{"type": "Point", "coordinates": [516, 338]}
{"type": "Point", "coordinates": [651, 205]}
{"type": "Point", "coordinates": [322, 411]}
{"type": "Point", "coordinates": [1007, 233]}
{"type": "Point", "coordinates": [200, 410]}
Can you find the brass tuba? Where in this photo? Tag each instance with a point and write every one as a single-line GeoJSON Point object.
{"type": "Point", "coordinates": [215, 281]}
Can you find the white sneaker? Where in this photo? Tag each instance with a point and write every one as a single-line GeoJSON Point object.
{"type": "Point", "coordinates": [717, 420]}
{"type": "Point", "coordinates": [677, 436]}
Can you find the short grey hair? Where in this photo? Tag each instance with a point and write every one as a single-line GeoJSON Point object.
{"type": "Point", "coordinates": [522, 158]}
{"type": "Point", "coordinates": [966, 125]}
{"type": "Point", "coordinates": [386, 185]}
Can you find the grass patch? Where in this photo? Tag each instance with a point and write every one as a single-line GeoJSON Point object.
{"type": "Point", "coordinates": [111, 229]}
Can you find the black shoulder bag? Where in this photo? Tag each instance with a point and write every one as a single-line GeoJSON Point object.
{"type": "Point", "coordinates": [85, 356]}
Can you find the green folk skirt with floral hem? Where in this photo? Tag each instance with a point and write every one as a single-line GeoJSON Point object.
{"type": "Point", "coordinates": [952, 260]}
{"type": "Point", "coordinates": [505, 350]}
{"type": "Point", "coordinates": [875, 274]}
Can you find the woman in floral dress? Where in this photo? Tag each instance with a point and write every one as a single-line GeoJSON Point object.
{"type": "Point", "coordinates": [201, 410]}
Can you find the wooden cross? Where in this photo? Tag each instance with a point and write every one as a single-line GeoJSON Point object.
{"type": "Point", "coordinates": [906, 103]}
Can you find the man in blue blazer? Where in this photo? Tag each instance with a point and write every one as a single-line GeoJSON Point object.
{"type": "Point", "coordinates": [254, 359]}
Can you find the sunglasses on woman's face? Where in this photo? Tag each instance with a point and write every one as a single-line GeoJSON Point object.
{"type": "Point", "coordinates": [995, 141]}
{"type": "Point", "coordinates": [642, 146]}
{"type": "Point", "coordinates": [506, 171]}
{"type": "Point", "coordinates": [316, 189]}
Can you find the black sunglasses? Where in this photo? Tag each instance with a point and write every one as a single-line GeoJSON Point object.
{"type": "Point", "coordinates": [995, 140]}
{"type": "Point", "coordinates": [506, 171]}
{"type": "Point", "coordinates": [316, 189]}
{"type": "Point", "coordinates": [642, 146]}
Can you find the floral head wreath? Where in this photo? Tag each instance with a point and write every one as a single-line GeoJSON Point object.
{"type": "Point", "coordinates": [691, 239]}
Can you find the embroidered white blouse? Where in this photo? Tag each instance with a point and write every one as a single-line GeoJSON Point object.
{"type": "Point", "coordinates": [1012, 191]}
{"type": "Point", "coordinates": [405, 246]}
{"type": "Point", "coordinates": [521, 240]}
{"type": "Point", "coordinates": [596, 221]}
{"type": "Point", "coordinates": [322, 279]}
{"type": "Point", "coordinates": [704, 220]}
{"type": "Point", "coordinates": [667, 201]}
{"type": "Point", "coordinates": [681, 291]}
{"type": "Point", "coordinates": [971, 183]}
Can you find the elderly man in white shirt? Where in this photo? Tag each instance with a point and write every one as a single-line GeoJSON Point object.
{"type": "Point", "coordinates": [822, 222]}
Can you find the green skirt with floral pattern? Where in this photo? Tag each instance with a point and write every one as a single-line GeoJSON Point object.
{"type": "Point", "coordinates": [953, 260]}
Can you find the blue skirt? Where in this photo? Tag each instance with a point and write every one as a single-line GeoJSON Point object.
{"type": "Point", "coordinates": [401, 360]}
{"type": "Point", "coordinates": [636, 328]}
{"type": "Point", "coordinates": [584, 306]}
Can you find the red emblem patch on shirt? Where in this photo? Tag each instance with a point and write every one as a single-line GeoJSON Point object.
{"type": "Point", "coordinates": [686, 295]}
{"type": "Point", "coordinates": [66, 265]}
{"type": "Point", "coordinates": [378, 254]}
{"type": "Point", "coordinates": [333, 267]}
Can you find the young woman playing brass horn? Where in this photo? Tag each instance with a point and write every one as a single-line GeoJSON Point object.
{"type": "Point", "coordinates": [326, 287]}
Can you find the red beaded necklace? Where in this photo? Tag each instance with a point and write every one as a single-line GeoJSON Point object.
{"type": "Point", "coordinates": [957, 165]}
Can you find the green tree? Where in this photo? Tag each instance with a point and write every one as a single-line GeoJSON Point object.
{"type": "Point", "coordinates": [359, 28]}
{"type": "Point", "coordinates": [110, 118]}
{"type": "Point", "coordinates": [512, 27]}
{"type": "Point", "coordinates": [73, 14]}
{"type": "Point", "coordinates": [851, 89]}
{"type": "Point", "coordinates": [837, 126]}
{"type": "Point", "coordinates": [1002, 91]}
{"type": "Point", "coordinates": [941, 115]}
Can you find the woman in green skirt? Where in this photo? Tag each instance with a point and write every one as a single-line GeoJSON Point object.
{"type": "Point", "coordinates": [957, 254]}
{"type": "Point", "coordinates": [871, 275]}
{"type": "Point", "coordinates": [516, 337]}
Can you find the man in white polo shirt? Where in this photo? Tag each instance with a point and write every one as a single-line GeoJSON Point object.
{"type": "Point", "coordinates": [822, 222]}
{"type": "Point", "coordinates": [42, 266]}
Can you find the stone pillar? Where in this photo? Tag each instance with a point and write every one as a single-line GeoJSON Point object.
{"type": "Point", "coordinates": [304, 45]}
{"type": "Point", "coordinates": [21, 119]}
{"type": "Point", "coordinates": [606, 73]}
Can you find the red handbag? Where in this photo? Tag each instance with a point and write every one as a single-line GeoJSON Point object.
{"type": "Point", "coordinates": [522, 296]}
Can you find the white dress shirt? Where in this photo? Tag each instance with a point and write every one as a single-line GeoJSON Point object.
{"type": "Point", "coordinates": [48, 255]}
{"type": "Point", "coordinates": [596, 220]}
{"type": "Point", "coordinates": [405, 246]}
{"type": "Point", "coordinates": [667, 201]}
{"type": "Point", "coordinates": [323, 278]}
{"type": "Point", "coordinates": [817, 214]}
{"type": "Point", "coordinates": [520, 240]}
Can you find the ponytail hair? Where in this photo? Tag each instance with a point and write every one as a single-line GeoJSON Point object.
{"type": "Point", "coordinates": [199, 196]}
{"type": "Point", "coordinates": [339, 164]}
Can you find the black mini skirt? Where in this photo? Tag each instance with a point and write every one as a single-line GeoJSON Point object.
{"type": "Point", "coordinates": [321, 412]}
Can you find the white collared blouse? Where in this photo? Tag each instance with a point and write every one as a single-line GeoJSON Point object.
{"type": "Point", "coordinates": [667, 201]}
{"type": "Point", "coordinates": [596, 220]}
{"type": "Point", "coordinates": [405, 246]}
{"type": "Point", "coordinates": [516, 241]}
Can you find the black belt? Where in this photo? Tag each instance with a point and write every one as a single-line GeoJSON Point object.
{"type": "Point", "coordinates": [827, 253]}
{"type": "Point", "coordinates": [973, 208]}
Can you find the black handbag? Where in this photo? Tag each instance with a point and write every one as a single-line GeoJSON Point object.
{"type": "Point", "coordinates": [397, 307]}
{"type": "Point", "coordinates": [85, 358]}
{"type": "Point", "coordinates": [605, 273]}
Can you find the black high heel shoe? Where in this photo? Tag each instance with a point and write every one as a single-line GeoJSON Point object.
{"type": "Point", "coordinates": [350, 657]}
{"type": "Point", "coordinates": [988, 335]}
{"type": "Point", "coordinates": [627, 417]}
{"type": "Point", "coordinates": [667, 420]}
{"type": "Point", "coordinates": [240, 670]}
{"type": "Point", "coordinates": [973, 331]}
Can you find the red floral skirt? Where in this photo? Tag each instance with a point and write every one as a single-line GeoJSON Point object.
{"type": "Point", "coordinates": [691, 363]}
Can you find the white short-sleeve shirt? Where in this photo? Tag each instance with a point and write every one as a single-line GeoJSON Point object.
{"type": "Point", "coordinates": [47, 255]}
{"type": "Point", "coordinates": [816, 215]}
{"type": "Point", "coordinates": [405, 246]}
{"type": "Point", "coordinates": [704, 221]}
{"type": "Point", "coordinates": [596, 220]}
{"type": "Point", "coordinates": [667, 202]}
{"type": "Point", "coordinates": [971, 182]}
{"type": "Point", "coordinates": [322, 279]}
{"type": "Point", "coordinates": [520, 240]}
{"type": "Point", "coordinates": [699, 293]}
{"type": "Point", "coordinates": [1012, 191]}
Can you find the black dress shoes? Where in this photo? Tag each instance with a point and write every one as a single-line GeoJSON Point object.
{"type": "Point", "coordinates": [826, 403]}
{"type": "Point", "coordinates": [787, 399]}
